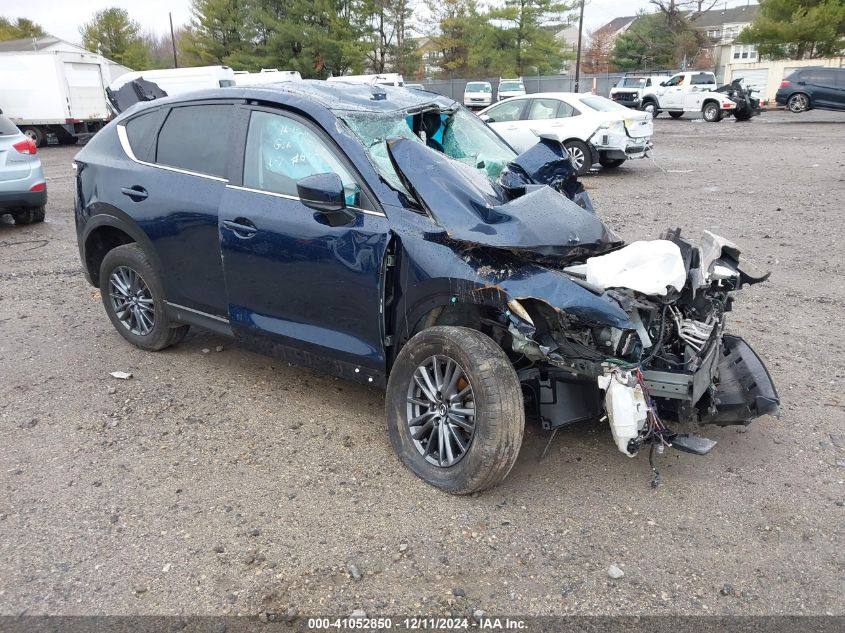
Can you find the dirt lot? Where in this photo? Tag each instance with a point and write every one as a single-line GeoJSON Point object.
{"type": "Point", "coordinates": [222, 482]}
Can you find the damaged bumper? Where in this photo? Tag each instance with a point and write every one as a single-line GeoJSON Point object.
{"type": "Point", "coordinates": [618, 145]}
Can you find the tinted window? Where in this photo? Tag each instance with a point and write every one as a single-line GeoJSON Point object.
{"type": "Point", "coordinates": [196, 138]}
{"type": "Point", "coordinates": [819, 77]}
{"type": "Point", "coordinates": [703, 78]}
{"type": "Point", "coordinates": [507, 111]}
{"type": "Point", "coordinates": [7, 127]}
{"type": "Point", "coordinates": [281, 150]}
{"type": "Point", "coordinates": [141, 132]}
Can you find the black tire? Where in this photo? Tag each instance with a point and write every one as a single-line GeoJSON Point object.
{"type": "Point", "coordinates": [163, 332]}
{"type": "Point", "coordinates": [799, 102]}
{"type": "Point", "coordinates": [651, 107]}
{"type": "Point", "coordinates": [711, 112]}
{"type": "Point", "coordinates": [611, 163]}
{"type": "Point", "coordinates": [31, 215]}
{"type": "Point", "coordinates": [498, 422]}
{"type": "Point", "coordinates": [742, 116]}
{"type": "Point", "coordinates": [68, 140]}
{"type": "Point", "coordinates": [36, 134]}
{"type": "Point", "coordinates": [676, 115]}
{"type": "Point", "coordinates": [581, 156]}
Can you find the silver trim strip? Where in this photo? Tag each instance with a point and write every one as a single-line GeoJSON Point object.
{"type": "Point", "coordinates": [199, 312]}
{"type": "Point", "coordinates": [124, 143]}
{"type": "Point", "coordinates": [287, 197]}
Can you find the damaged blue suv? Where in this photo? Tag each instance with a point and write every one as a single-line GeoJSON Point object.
{"type": "Point", "coordinates": [388, 236]}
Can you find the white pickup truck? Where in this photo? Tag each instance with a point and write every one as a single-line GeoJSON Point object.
{"type": "Point", "coordinates": [688, 91]}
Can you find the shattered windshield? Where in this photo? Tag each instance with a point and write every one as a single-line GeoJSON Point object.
{"type": "Point", "coordinates": [457, 133]}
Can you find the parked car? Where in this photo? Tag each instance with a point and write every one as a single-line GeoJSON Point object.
{"type": "Point", "coordinates": [388, 236]}
{"type": "Point", "coordinates": [478, 94]}
{"type": "Point", "coordinates": [634, 85]}
{"type": "Point", "coordinates": [178, 81]}
{"type": "Point", "coordinates": [593, 129]}
{"type": "Point", "coordinates": [23, 189]}
{"type": "Point", "coordinates": [265, 76]}
{"type": "Point", "coordinates": [688, 92]}
{"type": "Point", "coordinates": [813, 88]}
{"type": "Point", "coordinates": [510, 88]}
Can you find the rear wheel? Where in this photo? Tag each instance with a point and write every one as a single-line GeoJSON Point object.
{"type": "Point", "coordinates": [711, 112]}
{"type": "Point", "coordinates": [580, 156]}
{"type": "Point", "coordinates": [36, 134]}
{"type": "Point", "coordinates": [133, 296]}
{"type": "Point", "coordinates": [454, 409]}
{"type": "Point", "coordinates": [31, 215]}
{"type": "Point", "coordinates": [798, 103]}
{"type": "Point", "coordinates": [676, 115]}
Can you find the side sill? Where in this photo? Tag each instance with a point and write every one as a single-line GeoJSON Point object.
{"type": "Point", "coordinates": [189, 316]}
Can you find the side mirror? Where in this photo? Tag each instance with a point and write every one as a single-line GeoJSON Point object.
{"type": "Point", "coordinates": [663, 83]}
{"type": "Point", "coordinates": [324, 193]}
{"type": "Point", "coordinates": [486, 118]}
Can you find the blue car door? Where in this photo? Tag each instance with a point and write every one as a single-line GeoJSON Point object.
{"type": "Point", "coordinates": [296, 286]}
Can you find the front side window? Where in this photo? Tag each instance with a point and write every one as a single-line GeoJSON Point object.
{"type": "Point", "coordinates": [196, 138]}
{"type": "Point", "coordinates": [280, 151]}
{"type": "Point", "coordinates": [506, 111]}
{"type": "Point", "coordinates": [677, 80]}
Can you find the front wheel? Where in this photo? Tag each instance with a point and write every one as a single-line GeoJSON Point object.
{"type": "Point", "coordinates": [133, 296]}
{"type": "Point", "coordinates": [676, 115]}
{"type": "Point", "coordinates": [744, 115]}
{"type": "Point", "coordinates": [711, 112]}
{"type": "Point", "coordinates": [580, 156]}
{"type": "Point", "coordinates": [454, 409]}
{"type": "Point", "coordinates": [651, 108]}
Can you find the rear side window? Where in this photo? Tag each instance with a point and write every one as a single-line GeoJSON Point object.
{"type": "Point", "coordinates": [819, 77]}
{"type": "Point", "coordinates": [141, 132]}
{"type": "Point", "coordinates": [7, 128]}
{"type": "Point", "coordinates": [196, 138]}
{"type": "Point", "coordinates": [703, 78]}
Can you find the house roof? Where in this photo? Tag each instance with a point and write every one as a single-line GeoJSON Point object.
{"type": "Point", "coordinates": [718, 17]}
{"type": "Point", "coordinates": [617, 24]}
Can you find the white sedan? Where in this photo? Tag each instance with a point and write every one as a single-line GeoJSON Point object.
{"type": "Point", "coordinates": [593, 129]}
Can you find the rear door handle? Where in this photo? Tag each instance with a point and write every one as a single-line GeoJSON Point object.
{"type": "Point", "coordinates": [242, 227]}
{"type": "Point", "coordinates": [135, 192]}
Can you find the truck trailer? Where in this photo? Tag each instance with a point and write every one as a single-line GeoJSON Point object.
{"type": "Point", "coordinates": [56, 93]}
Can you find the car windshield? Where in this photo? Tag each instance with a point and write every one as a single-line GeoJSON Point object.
{"type": "Point", "coordinates": [601, 104]}
{"type": "Point", "coordinates": [510, 86]}
{"type": "Point", "coordinates": [457, 133]}
{"type": "Point", "coordinates": [478, 87]}
{"type": "Point", "coordinates": [633, 82]}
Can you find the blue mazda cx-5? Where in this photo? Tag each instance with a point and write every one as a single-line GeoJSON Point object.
{"type": "Point", "coordinates": [389, 236]}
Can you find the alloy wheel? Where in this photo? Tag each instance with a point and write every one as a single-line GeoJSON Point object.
{"type": "Point", "coordinates": [132, 301]}
{"type": "Point", "coordinates": [798, 103]}
{"type": "Point", "coordinates": [577, 157]}
{"type": "Point", "coordinates": [441, 411]}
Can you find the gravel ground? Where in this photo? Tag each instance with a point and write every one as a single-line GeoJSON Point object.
{"type": "Point", "coordinates": [223, 482]}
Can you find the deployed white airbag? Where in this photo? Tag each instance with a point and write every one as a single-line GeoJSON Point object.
{"type": "Point", "coordinates": [649, 267]}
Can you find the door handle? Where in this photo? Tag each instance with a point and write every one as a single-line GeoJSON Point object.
{"type": "Point", "coordinates": [135, 192]}
{"type": "Point", "coordinates": [241, 227]}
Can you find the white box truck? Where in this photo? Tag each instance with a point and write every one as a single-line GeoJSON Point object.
{"type": "Point", "coordinates": [56, 93]}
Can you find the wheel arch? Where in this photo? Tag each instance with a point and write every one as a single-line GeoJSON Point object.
{"type": "Point", "coordinates": [105, 232]}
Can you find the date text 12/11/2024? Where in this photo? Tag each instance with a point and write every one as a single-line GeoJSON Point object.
{"type": "Point", "coordinates": [417, 623]}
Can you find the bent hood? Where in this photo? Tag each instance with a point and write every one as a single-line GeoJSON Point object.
{"type": "Point", "coordinates": [474, 209]}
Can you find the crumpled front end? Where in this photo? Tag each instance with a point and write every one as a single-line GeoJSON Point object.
{"type": "Point", "coordinates": [670, 360]}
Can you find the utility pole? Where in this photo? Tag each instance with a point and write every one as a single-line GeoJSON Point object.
{"type": "Point", "coordinates": [173, 41]}
{"type": "Point", "coordinates": [578, 54]}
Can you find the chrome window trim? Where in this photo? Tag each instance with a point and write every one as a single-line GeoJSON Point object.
{"type": "Point", "coordinates": [123, 137]}
{"type": "Point", "coordinates": [298, 199]}
{"type": "Point", "coordinates": [199, 312]}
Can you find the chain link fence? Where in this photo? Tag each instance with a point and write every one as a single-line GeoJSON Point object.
{"type": "Point", "coordinates": [454, 88]}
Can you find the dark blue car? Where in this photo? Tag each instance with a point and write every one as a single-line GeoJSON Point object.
{"type": "Point", "coordinates": [388, 236]}
{"type": "Point", "coordinates": [813, 88]}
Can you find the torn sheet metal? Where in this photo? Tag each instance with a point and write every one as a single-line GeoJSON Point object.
{"type": "Point", "coordinates": [474, 209]}
{"type": "Point", "coordinates": [648, 267]}
{"type": "Point", "coordinates": [133, 92]}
